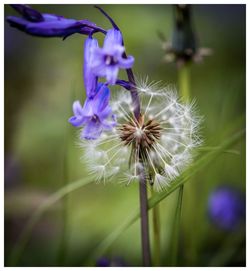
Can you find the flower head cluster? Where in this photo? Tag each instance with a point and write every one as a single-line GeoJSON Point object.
{"type": "Point", "coordinates": [158, 145]}
{"type": "Point", "coordinates": [96, 115]}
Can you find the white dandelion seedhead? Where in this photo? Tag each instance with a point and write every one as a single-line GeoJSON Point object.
{"type": "Point", "coordinates": [159, 144]}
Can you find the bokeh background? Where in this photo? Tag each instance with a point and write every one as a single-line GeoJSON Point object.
{"type": "Point", "coordinates": [42, 78]}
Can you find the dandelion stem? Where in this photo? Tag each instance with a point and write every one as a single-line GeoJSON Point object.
{"type": "Point", "coordinates": [156, 230]}
{"type": "Point", "coordinates": [144, 222]}
{"type": "Point", "coordinates": [146, 254]}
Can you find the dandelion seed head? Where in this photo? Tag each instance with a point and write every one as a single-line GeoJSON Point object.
{"type": "Point", "coordinates": [159, 144]}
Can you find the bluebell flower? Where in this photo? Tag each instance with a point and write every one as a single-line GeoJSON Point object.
{"type": "Point", "coordinates": [108, 60]}
{"type": "Point", "coordinates": [95, 115]}
{"type": "Point", "coordinates": [226, 207]}
{"type": "Point", "coordinates": [49, 25]}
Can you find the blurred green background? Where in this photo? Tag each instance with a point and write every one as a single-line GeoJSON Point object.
{"type": "Point", "coordinates": [42, 78]}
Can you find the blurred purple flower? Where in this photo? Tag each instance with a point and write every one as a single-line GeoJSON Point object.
{"type": "Point", "coordinates": [107, 60]}
{"type": "Point", "coordinates": [226, 207]}
{"type": "Point", "coordinates": [114, 262]}
{"type": "Point", "coordinates": [103, 262]}
{"type": "Point", "coordinates": [95, 115]}
{"type": "Point", "coordinates": [49, 25]}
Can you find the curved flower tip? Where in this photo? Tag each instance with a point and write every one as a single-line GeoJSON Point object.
{"type": "Point", "coordinates": [108, 60]}
{"type": "Point", "coordinates": [28, 13]}
{"type": "Point", "coordinates": [95, 115]}
{"type": "Point", "coordinates": [48, 25]}
{"type": "Point", "coordinates": [78, 118]}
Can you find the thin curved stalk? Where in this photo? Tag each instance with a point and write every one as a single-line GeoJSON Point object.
{"type": "Point", "coordinates": [184, 84]}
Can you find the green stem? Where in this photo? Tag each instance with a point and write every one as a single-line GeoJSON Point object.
{"type": "Point", "coordinates": [157, 238]}
{"type": "Point", "coordinates": [184, 85]}
{"type": "Point", "coordinates": [184, 81]}
{"type": "Point", "coordinates": [176, 227]}
{"type": "Point", "coordinates": [146, 257]}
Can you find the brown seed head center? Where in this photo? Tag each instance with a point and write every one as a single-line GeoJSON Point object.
{"type": "Point", "coordinates": [143, 133]}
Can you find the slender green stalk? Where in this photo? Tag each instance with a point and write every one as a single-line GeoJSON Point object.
{"type": "Point", "coordinates": [184, 81]}
{"type": "Point", "coordinates": [146, 255]}
{"type": "Point", "coordinates": [184, 84]}
{"type": "Point", "coordinates": [176, 227]}
{"type": "Point", "coordinates": [157, 238]}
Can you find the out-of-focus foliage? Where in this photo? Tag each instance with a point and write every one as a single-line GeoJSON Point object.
{"type": "Point", "coordinates": [43, 77]}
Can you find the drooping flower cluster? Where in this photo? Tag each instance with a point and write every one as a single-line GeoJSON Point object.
{"type": "Point", "coordinates": [99, 62]}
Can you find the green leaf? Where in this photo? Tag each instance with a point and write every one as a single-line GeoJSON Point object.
{"type": "Point", "coordinates": [200, 163]}
{"type": "Point", "coordinates": [208, 148]}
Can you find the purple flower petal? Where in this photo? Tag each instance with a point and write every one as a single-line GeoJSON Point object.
{"type": "Point", "coordinates": [101, 99]}
{"type": "Point", "coordinates": [111, 74]}
{"type": "Point", "coordinates": [90, 80]}
{"type": "Point", "coordinates": [105, 113]}
{"type": "Point", "coordinates": [92, 130]}
{"type": "Point", "coordinates": [126, 63]}
{"type": "Point", "coordinates": [113, 36]}
{"type": "Point", "coordinates": [28, 13]}
{"type": "Point", "coordinates": [17, 22]}
{"type": "Point", "coordinates": [77, 120]}
{"type": "Point", "coordinates": [87, 110]}
{"type": "Point", "coordinates": [77, 108]}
